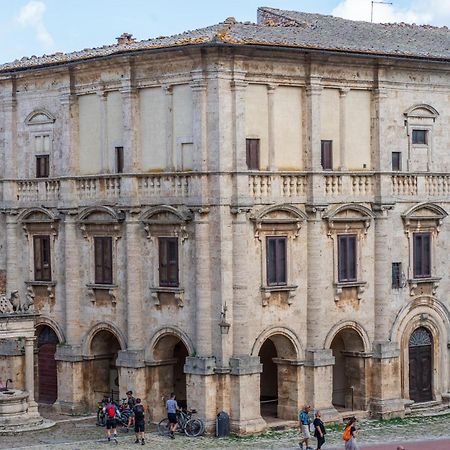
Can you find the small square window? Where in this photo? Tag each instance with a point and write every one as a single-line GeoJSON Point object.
{"type": "Point", "coordinates": [252, 154]}
{"type": "Point", "coordinates": [420, 137]}
{"type": "Point", "coordinates": [397, 161]}
{"type": "Point", "coordinates": [42, 166]}
{"type": "Point", "coordinates": [326, 155]}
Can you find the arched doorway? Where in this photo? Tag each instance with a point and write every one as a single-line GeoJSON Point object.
{"type": "Point", "coordinates": [167, 374]}
{"type": "Point", "coordinates": [47, 375]}
{"type": "Point", "coordinates": [420, 365]}
{"type": "Point", "coordinates": [103, 376]}
{"type": "Point", "coordinates": [279, 379]}
{"type": "Point", "coordinates": [349, 370]}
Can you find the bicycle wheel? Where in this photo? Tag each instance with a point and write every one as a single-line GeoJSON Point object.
{"type": "Point", "coordinates": [193, 427]}
{"type": "Point", "coordinates": [164, 427]}
{"type": "Point", "coordinates": [101, 418]}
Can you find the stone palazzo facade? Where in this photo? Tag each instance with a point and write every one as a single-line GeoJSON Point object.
{"type": "Point", "coordinates": [253, 216]}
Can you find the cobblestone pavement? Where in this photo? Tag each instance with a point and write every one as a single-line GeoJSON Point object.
{"type": "Point", "coordinates": [84, 434]}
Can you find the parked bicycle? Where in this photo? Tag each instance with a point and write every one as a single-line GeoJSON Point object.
{"type": "Point", "coordinates": [122, 416]}
{"type": "Point", "coordinates": [191, 426]}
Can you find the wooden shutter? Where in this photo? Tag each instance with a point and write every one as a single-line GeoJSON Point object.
{"type": "Point", "coordinates": [422, 255]}
{"type": "Point", "coordinates": [276, 260]}
{"type": "Point", "coordinates": [103, 260]}
{"type": "Point", "coordinates": [119, 159]}
{"type": "Point", "coordinates": [37, 259]}
{"type": "Point", "coordinates": [42, 258]}
{"type": "Point", "coordinates": [42, 166]}
{"type": "Point", "coordinates": [168, 261]}
{"type": "Point", "coordinates": [347, 258]}
{"type": "Point", "coordinates": [252, 153]}
{"type": "Point", "coordinates": [396, 161]}
{"type": "Point", "coordinates": [326, 148]}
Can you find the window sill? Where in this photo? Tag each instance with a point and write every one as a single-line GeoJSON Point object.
{"type": "Point", "coordinates": [341, 285]}
{"type": "Point", "coordinates": [111, 288]}
{"type": "Point", "coordinates": [40, 283]}
{"type": "Point", "coordinates": [268, 290]}
{"type": "Point", "coordinates": [415, 282]}
{"type": "Point", "coordinates": [176, 291]}
{"type": "Point", "coordinates": [32, 284]}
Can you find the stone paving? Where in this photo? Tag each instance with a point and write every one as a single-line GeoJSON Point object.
{"type": "Point", "coordinates": [84, 434]}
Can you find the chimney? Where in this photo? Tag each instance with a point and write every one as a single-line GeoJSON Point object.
{"type": "Point", "coordinates": [125, 38]}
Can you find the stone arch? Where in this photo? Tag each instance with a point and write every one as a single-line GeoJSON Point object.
{"type": "Point", "coordinates": [47, 321]}
{"type": "Point", "coordinates": [280, 386]}
{"type": "Point", "coordinates": [350, 346]}
{"type": "Point", "coordinates": [290, 210]}
{"type": "Point", "coordinates": [165, 331]}
{"type": "Point", "coordinates": [40, 117]}
{"type": "Point", "coordinates": [37, 214]}
{"type": "Point", "coordinates": [421, 110]}
{"type": "Point", "coordinates": [179, 215]}
{"type": "Point", "coordinates": [104, 214]}
{"type": "Point", "coordinates": [292, 338]}
{"type": "Point", "coordinates": [349, 324]}
{"type": "Point", "coordinates": [428, 312]}
{"type": "Point", "coordinates": [102, 326]}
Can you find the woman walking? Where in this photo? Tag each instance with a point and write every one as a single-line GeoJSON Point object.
{"type": "Point", "coordinates": [319, 430]}
{"type": "Point", "coordinates": [350, 433]}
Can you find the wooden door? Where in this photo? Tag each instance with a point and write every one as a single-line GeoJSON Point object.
{"type": "Point", "coordinates": [420, 366]}
{"type": "Point", "coordinates": [48, 383]}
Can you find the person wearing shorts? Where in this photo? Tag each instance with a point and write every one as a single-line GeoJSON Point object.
{"type": "Point", "coordinates": [110, 410]}
{"type": "Point", "coordinates": [304, 421]}
{"type": "Point", "coordinates": [172, 408]}
{"type": "Point", "coordinates": [139, 421]}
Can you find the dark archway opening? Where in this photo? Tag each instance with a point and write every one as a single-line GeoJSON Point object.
{"type": "Point", "coordinates": [268, 379]}
{"type": "Point", "coordinates": [420, 365]}
{"type": "Point", "coordinates": [47, 373]}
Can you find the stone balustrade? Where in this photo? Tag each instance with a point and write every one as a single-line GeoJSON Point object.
{"type": "Point", "coordinates": [176, 187]}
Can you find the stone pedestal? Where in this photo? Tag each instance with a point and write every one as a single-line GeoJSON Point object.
{"type": "Point", "coordinates": [130, 364]}
{"type": "Point", "coordinates": [386, 399]}
{"type": "Point", "coordinates": [244, 383]}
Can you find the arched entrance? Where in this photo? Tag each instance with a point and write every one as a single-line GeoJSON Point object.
{"type": "Point", "coordinates": [279, 379]}
{"type": "Point", "coordinates": [103, 376]}
{"type": "Point", "coordinates": [167, 374]}
{"type": "Point", "coordinates": [349, 370]}
{"type": "Point", "coordinates": [420, 365]}
{"type": "Point", "coordinates": [47, 376]}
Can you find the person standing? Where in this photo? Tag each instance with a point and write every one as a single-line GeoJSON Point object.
{"type": "Point", "coordinates": [110, 409]}
{"type": "Point", "coordinates": [172, 408]}
{"type": "Point", "coordinates": [131, 402]}
{"type": "Point", "coordinates": [139, 421]}
{"type": "Point", "coordinates": [350, 432]}
{"type": "Point", "coordinates": [304, 421]}
{"type": "Point", "coordinates": [319, 430]}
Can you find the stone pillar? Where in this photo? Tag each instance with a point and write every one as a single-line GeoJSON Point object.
{"type": "Point", "coordinates": [104, 160]}
{"type": "Point", "coordinates": [343, 126]}
{"type": "Point", "coordinates": [12, 275]}
{"type": "Point", "coordinates": [131, 125]}
{"type": "Point", "coordinates": [200, 156]}
{"type": "Point", "coordinates": [245, 407]}
{"type": "Point", "coordinates": [29, 374]}
{"type": "Point", "coordinates": [9, 104]}
{"type": "Point", "coordinates": [271, 125]}
{"type": "Point", "coordinates": [69, 154]}
{"type": "Point", "coordinates": [170, 154]}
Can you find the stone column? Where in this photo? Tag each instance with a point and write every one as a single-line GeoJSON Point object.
{"type": "Point", "coordinates": [10, 123]}
{"type": "Point", "coordinates": [343, 126]}
{"type": "Point", "coordinates": [198, 86]}
{"type": "Point", "coordinates": [131, 125]}
{"type": "Point", "coordinates": [29, 374]}
{"type": "Point", "coordinates": [12, 275]}
{"type": "Point", "coordinates": [271, 125]}
{"type": "Point", "coordinates": [170, 156]}
{"type": "Point", "coordinates": [105, 160]}
{"type": "Point", "coordinates": [386, 391]}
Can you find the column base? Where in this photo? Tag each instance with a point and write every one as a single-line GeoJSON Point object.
{"type": "Point", "coordinates": [387, 409]}
{"type": "Point", "coordinates": [250, 426]}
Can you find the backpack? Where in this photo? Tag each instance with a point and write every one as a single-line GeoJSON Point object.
{"type": "Point", "coordinates": [347, 433]}
{"type": "Point", "coordinates": [139, 412]}
{"type": "Point", "coordinates": [111, 411]}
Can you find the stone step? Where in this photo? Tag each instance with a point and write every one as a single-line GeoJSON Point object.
{"type": "Point", "coordinates": [432, 408]}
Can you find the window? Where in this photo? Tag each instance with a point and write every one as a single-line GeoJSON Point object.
{"type": "Point", "coordinates": [397, 161]}
{"type": "Point", "coordinates": [326, 154]}
{"type": "Point", "coordinates": [119, 159]}
{"type": "Point", "coordinates": [420, 137]}
{"type": "Point", "coordinates": [422, 255]}
{"type": "Point", "coordinates": [168, 261]}
{"type": "Point", "coordinates": [42, 166]}
{"type": "Point", "coordinates": [42, 265]}
{"type": "Point", "coordinates": [252, 154]}
{"type": "Point", "coordinates": [103, 260]}
{"type": "Point", "coordinates": [397, 275]}
{"type": "Point", "coordinates": [276, 260]}
{"type": "Point", "coordinates": [347, 257]}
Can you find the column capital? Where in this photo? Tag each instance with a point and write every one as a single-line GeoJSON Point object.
{"type": "Point", "coordinates": [381, 210]}
{"type": "Point", "coordinates": [343, 91]}
{"type": "Point", "coordinates": [380, 93]}
{"type": "Point", "coordinates": [168, 89]}
{"type": "Point", "coordinates": [314, 87]}
{"type": "Point", "coordinates": [241, 209]}
{"type": "Point", "coordinates": [271, 88]}
{"type": "Point", "coordinates": [316, 210]}
{"type": "Point", "coordinates": [238, 85]}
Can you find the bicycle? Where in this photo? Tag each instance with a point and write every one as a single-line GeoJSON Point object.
{"type": "Point", "coordinates": [191, 426]}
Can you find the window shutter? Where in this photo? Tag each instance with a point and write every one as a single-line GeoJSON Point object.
{"type": "Point", "coordinates": [327, 154]}
{"type": "Point", "coordinates": [98, 252]}
{"type": "Point", "coordinates": [119, 159]}
{"type": "Point", "coordinates": [46, 258]}
{"type": "Point", "coordinates": [281, 261]}
{"type": "Point", "coordinates": [37, 259]}
{"type": "Point", "coordinates": [252, 154]}
{"type": "Point", "coordinates": [107, 260]}
{"type": "Point", "coordinates": [352, 257]}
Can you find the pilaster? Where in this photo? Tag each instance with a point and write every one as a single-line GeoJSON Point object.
{"type": "Point", "coordinates": [199, 98]}
{"type": "Point", "coordinates": [271, 124]}
{"type": "Point", "coordinates": [29, 374]}
{"type": "Point", "coordinates": [104, 160]}
{"type": "Point", "coordinates": [170, 154]}
{"type": "Point", "coordinates": [9, 104]}
{"type": "Point", "coordinates": [12, 269]}
{"type": "Point", "coordinates": [343, 127]}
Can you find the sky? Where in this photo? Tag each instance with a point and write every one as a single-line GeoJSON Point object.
{"type": "Point", "coordinates": [37, 27]}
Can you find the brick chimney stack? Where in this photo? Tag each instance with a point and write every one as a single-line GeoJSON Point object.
{"type": "Point", "coordinates": [125, 38]}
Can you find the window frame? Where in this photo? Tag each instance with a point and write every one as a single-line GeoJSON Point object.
{"type": "Point", "coordinates": [422, 256]}
{"type": "Point", "coordinates": [397, 167]}
{"type": "Point", "coordinates": [42, 256]}
{"type": "Point", "coordinates": [326, 145]}
{"type": "Point", "coordinates": [119, 159]}
{"type": "Point", "coordinates": [45, 158]}
{"type": "Point", "coordinates": [253, 160]}
{"type": "Point", "coordinates": [103, 266]}
{"type": "Point", "coordinates": [421, 131]}
{"type": "Point", "coordinates": [348, 261]}
{"type": "Point", "coordinates": [276, 269]}
{"type": "Point", "coordinates": [166, 261]}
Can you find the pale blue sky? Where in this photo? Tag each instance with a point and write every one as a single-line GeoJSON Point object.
{"type": "Point", "coordinates": [35, 27]}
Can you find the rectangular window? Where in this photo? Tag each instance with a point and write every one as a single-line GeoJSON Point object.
{"type": "Point", "coordinates": [276, 260]}
{"type": "Point", "coordinates": [422, 255]}
{"type": "Point", "coordinates": [397, 161]}
{"type": "Point", "coordinates": [397, 275]}
{"type": "Point", "coordinates": [420, 137]}
{"type": "Point", "coordinates": [168, 261]}
{"type": "Point", "coordinates": [252, 154]}
{"type": "Point", "coordinates": [42, 263]}
{"type": "Point", "coordinates": [326, 154]}
{"type": "Point", "coordinates": [119, 159]}
{"type": "Point", "coordinates": [347, 257]}
{"type": "Point", "coordinates": [103, 260]}
{"type": "Point", "coordinates": [42, 166]}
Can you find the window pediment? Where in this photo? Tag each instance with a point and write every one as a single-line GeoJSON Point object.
{"type": "Point", "coordinates": [40, 117]}
{"type": "Point", "coordinates": [349, 218]}
{"type": "Point", "coordinates": [424, 217]}
{"type": "Point", "coordinates": [165, 219]}
{"type": "Point", "coordinates": [422, 111]}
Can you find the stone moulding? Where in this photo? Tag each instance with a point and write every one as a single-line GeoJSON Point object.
{"type": "Point", "coordinates": [111, 288]}
{"type": "Point", "coordinates": [415, 282]}
{"type": "Point", "coordinates": [359, 285]}
{"type": "Point", "coordinates": [267, 291]}
{"type": "Point", "coordinates": [178, 294]}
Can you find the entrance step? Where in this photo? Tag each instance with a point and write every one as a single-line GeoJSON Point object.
{"type": "Point", "coordinates": [433, 408]}
{"type": "Point", "coordinates": [274, 424]}
{"type": "Point", "coordinates": [346, 414]}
